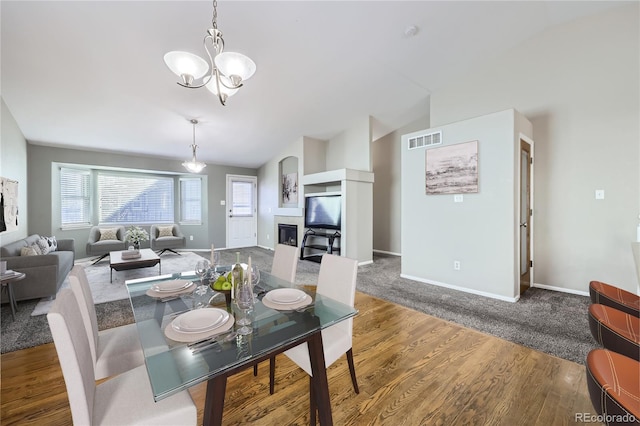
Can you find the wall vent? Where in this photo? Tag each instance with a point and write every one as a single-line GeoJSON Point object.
{"type": "Point", "coordinates": [427, 139]}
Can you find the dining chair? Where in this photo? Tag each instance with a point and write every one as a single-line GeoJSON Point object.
{"type": "Point", "coordinates": [337, 280]}
{"type": "Point", "coordinates": [126, 399]}
{"type": "Point", "coordinates": [285, 262]}
{"type": "Point", "coordinates": [114, 350]}
{"type": "Point", "coordinates": [283, 266]}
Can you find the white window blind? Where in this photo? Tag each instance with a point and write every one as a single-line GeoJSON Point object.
{"type": "Point", "coordinates": [135, 198]}
{"type": "Point", "coordinates": [190, 200]}
{"type": "Point", "coordinates": [75, 197]}
{"type": "Point", "coordinates": [242, 198]}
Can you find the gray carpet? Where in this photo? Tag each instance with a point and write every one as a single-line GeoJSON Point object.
{"type": "Point", "coordinates": [551, 322]}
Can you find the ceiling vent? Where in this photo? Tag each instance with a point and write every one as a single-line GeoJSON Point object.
{"type": "Point", "coordinates": [426, 139]}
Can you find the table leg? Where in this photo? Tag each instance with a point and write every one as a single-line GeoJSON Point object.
{"type": "Point", "coordinates": [12, 300]}
{"type": "Point", "coordinates": [320, 384]}
{"type": "Point", "coordinates": [214, 401]}
{"type": "Point", "coordinates": [110, 274]}
{"type": "Point", "coordinates": [159, 267]}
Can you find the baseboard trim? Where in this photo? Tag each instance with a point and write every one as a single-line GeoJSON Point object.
{"type": "Point", "coordinates": [390, 253]}
{"type": "Point", "coordinates": [560, 289]}
{"type": "Point", "coordinates": [266, 248]}
{"type": "Point", "coordinates": [464, 289]}
{"type": "Point", "coordinates": [366, 262]}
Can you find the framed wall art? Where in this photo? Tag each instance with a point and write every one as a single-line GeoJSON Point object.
{"type": "Point", "coordinates": [290, 188]}
{"type": "Point", "coordinates": [8, 205]}
{"type": "Point", "coordinates": [452, 169]}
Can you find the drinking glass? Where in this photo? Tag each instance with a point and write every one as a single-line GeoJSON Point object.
{"type": "Point", "coordinates": [244, 301]}
{"type": "Point", "coordinates": [201, 270]}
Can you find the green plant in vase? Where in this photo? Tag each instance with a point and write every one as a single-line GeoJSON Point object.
{"type": "Point", "coordinates": [135, 235]}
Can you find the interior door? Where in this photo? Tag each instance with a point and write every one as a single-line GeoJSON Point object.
{"type": "Point", "coordinates": [526, 215]}
{"type": "Point", "coordinates": [242, 221]}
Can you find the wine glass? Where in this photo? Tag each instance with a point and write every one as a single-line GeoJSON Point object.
{"type": "Point", "coordinates": [244, 301]}
{"type": "Point", "coordinates": [201, 270]}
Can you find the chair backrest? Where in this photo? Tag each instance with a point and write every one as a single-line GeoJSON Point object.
{"type": "Point", "coordinates": [74, 355]}
{"type": "Point", "coordinates": [285, 262]}
{"type": "Point", "coordinates": [337, 280]}
{"type": "Point", "coordinates": [82, 291]}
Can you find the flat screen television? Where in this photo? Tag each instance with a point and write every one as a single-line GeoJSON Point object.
{"type": "Point", "coordinates": [323, 211]}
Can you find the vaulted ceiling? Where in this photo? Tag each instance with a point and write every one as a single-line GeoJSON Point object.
{"type": "Point", "coordinates": [90, 74]}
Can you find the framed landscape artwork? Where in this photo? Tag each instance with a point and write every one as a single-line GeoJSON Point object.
{"type": "Point", "coordinates": [8, 205]}
{"type": "Point", "coordinates": [452, 169]}
{"type": "Point", "coordinates": [290, 188]}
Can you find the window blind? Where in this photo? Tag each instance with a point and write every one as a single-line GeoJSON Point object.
{"type": "Point", "coordinates": [133, 198]}
{"type": "Point", "coordinates": [190, 200]}
{"type": "Point", "coordinates": [242, 198]}
{"type": "Point", "coordinates": [75, 197]}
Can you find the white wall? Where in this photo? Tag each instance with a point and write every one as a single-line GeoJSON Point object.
{"type": "Point", "coordinates": [480, 231]}
{"type": "Point", "coordinates": [351, 149]}
{"type": "Point", "coordinates": [13, 165]}
{"type": "Point", "coordinates": [385, 158]}
{"type": "Point", "coordinates": [579, 86]}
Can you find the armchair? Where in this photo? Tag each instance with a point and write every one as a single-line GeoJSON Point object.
{"type": "Point", "coordinates": [102, 247]}
{"type": "Point", "coordinates": [166, 238]}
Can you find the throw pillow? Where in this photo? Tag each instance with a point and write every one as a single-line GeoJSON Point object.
{"type": "Point", "coordinates": [53, 243]}
{"type": "Point", "coordinates": [108, 234]}
{"type": "Point", "coordinates": [31, 250]}
{"type": "Point", "coordinates": [165, 231]}
{"type": "Point", "coordinates": [43, 245]}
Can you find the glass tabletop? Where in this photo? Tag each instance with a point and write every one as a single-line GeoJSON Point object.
{"type": "Point", "coordinates": [173, 366]}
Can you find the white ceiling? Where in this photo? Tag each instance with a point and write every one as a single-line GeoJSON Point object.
{"type": "Point", "coordinates": [90, 73]}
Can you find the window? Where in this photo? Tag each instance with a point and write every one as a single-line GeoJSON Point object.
{"type": "Point", "coordinates": [190, 200]}
{"type": "Point", "coordinates": [242, 198]}
{"type": "Point", "coordinates": [75, 197]}
{"type": "Point", "coordinates": [135, 198]}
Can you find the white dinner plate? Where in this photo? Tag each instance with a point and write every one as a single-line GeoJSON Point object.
{"type": "Point", "coordinates": [286, 296]}
{"type": "Point", "coordinates": [200, 320]}
{"type": "Point", "coordinates": [171, 286]}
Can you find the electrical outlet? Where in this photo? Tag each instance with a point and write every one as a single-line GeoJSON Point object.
{"type": "Point", "coordinates": [267, 236]}
{"type": "Point", "coordinates": [599, 194]}
{"type": "Point", "coordinates": [190, 237]}
{"type": "Point", "coordinates": [457, 198]}
{"type": "Point", "coordinates": [456, 265]}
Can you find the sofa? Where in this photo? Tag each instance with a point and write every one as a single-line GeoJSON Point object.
{"type": "Point", "coordinates": [44, 273]}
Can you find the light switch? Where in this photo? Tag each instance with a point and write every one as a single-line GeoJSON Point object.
{"type": "Point", "coordinates": [457, 198]}
{"type": "Point", "coordinates": [599, 194]}
{"type": "Point", "coordinates": [223, 202]}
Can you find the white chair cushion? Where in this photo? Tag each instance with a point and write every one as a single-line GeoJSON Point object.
{"type": "Point", "coordinates": [119, 350]}
{"type": "Point", "coordinates": [127, 400]}
{"type": "Point", "coordinates": [335, 342]}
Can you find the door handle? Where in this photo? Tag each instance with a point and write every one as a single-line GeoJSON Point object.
{"type": "Point", "coordinates": [523, 225]}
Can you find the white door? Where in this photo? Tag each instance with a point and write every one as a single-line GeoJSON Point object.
{"type": "Point", "coordinates": [242, 220]}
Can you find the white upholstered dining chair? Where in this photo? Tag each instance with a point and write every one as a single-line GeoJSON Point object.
{"type": "Point", "coordinates": [284, 266]}
{"type": "Point", "coordinates": [337, 280]}
{"type": "Point", "coordinates": [114, 350]}
{"type": "Point", "coordinates": [285, 262]}
{"type": "Point", "coordinates": [126, 399]}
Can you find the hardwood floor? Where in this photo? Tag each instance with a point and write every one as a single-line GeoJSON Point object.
{"type": "Point", "coordinates": [413, 369]}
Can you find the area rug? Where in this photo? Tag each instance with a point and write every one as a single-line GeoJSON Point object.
{"type": "Point", "coordinates": [105, 291]}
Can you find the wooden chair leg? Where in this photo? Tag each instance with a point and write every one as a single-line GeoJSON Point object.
{"type": "Point", "coordinates": [312, 403]}
{"type": "Point", "coordinates": [272, 374]}
{"type": "Point", "coordinates": [352, 370]}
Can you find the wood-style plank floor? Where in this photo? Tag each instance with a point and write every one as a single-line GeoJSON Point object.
{"type": "Point", "coordinates": [413, 369]}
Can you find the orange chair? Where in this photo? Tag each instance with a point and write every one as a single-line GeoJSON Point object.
{"type": "Point", "coordinates": [615, 330]}
{"type": "Point", "coordinates": [606, 294]}
{"type": "Point", "coordinates": [613, 381]}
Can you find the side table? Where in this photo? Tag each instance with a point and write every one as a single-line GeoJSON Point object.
{"type": "Point", "coordinates": [7, 282]}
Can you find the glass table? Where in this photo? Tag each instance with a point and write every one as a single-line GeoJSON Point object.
{"type": "Point", "coordinates": [172, 366]}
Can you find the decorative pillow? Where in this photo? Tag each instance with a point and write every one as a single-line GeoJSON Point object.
{"type": "Point", "coordinates": [43, 245]}
{"type": "Point", "coordinates": [31, 250]}
{"type": "Point", "coordinates": [53, 243]}
{"type": "Point", "coordinates": [165, 231]}
{"type": "Point", "coordinates": [109, 234]}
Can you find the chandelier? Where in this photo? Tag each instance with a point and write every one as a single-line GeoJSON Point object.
{"type": "Point", "coordinates": [193, 165]}
{"type": "Point", "coordinates": [225, 72]}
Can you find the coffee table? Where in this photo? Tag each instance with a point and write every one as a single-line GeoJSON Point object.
{"type": "Point", "coordinates": [147, 259]}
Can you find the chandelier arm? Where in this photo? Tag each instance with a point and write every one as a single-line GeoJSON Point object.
{"type": "Point", "coordinates": [220, 97]}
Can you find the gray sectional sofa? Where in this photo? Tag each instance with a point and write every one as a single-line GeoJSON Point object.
{"type": "Point", "coordinates": [44, 273]}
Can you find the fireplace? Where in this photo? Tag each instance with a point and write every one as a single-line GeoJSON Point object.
{"type": "Point", "coordinates": [288, 234]}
